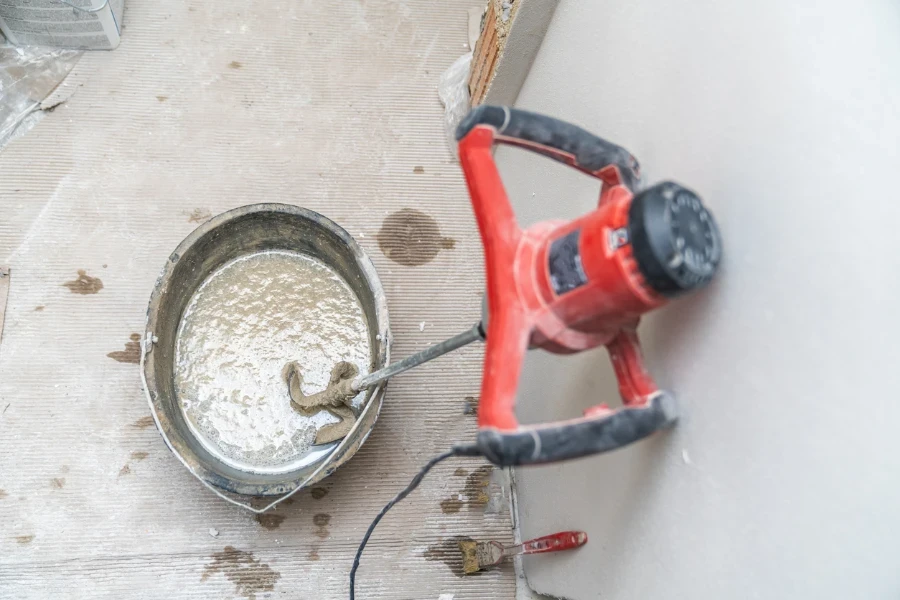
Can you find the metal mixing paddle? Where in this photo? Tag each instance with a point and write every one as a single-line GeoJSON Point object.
{"type": "Point", "coordinates": [345, 384]}
{"type": "Point", "coordinates": [465, 338]}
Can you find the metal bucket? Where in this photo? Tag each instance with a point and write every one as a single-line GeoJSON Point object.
{"type": "Point", "coordinates": [246, 230]}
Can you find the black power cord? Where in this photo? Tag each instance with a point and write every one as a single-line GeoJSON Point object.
{"type": "Point", "coordinates": [469, 450]}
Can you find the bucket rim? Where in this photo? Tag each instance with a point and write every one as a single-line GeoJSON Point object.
{"type": "Point", "coordinates": [343, 449]}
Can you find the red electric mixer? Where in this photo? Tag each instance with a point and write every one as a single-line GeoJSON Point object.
{"type": "Point", "coordinates": [569, 286]}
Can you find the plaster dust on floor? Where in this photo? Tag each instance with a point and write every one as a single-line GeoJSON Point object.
{"type": "Point", "coordinates": [333, 108]}
{"type": "Point", "coordinates": [242, 325]}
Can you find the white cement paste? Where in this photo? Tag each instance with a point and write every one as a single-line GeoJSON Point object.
{"type": "Point", "coordinates": [242, 325]}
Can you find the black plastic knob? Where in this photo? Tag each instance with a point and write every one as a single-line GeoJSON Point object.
{"type": "Point", "coordinates": [674, 238]}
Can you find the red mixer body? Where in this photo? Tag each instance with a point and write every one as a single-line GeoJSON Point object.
{"type": "Point", "coordinates": [614, 294]}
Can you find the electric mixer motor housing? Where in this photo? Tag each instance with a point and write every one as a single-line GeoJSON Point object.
{"type": "Point", "coordinates": [571, 286]}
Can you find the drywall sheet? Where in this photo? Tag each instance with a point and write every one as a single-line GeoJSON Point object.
{"type": "Point", "coordinates": [781, 480]}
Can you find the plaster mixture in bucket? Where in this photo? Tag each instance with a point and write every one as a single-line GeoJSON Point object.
{"type": "Point", "coordinates": [242, 325]}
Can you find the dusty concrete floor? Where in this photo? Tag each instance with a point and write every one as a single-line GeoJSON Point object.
{"type": "Point", "coordinates": [205, 107]}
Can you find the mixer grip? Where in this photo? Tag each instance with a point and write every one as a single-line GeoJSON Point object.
{"type": "Point", "coordinates": [580, 437]}
{"type": "Point", "coordinates": [555, 139]}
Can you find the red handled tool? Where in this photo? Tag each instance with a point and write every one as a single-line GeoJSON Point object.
{"type": "Point", "coordinates": [481, 555]}
{"type": "Point", "coordinates": [566, 287]}
{"type": "Point", "coordinates": [571, 286]}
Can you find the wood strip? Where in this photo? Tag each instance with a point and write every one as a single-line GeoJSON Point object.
{"type": "Point", "coordinates": [510, 37]}
{"type": "Point", "coordinates": [485, 50]}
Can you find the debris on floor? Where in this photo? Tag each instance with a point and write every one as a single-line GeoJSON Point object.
{"type": "Point", "coordinates": [454, 94]}
{"type": "Point", "coordinates": [29, 75]}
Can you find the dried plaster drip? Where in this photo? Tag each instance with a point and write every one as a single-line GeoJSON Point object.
{"type": "Point", "coordinates": [242, 325]}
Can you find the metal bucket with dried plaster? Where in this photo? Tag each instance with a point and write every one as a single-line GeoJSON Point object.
{"type": "Point", "coordinates": [226, 237]}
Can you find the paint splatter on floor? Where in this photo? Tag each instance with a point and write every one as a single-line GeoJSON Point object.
{"type": "Point", "coordinates": [131, 353]}
{"type": "Point", "coordinates": [249, 575]}
{"type": "Point", "coordinates": [84, 284]}
{"type": "Point", "coordinates": [447, 551]}
{"type": "Point", "coordinates": [321, 521]}
{"type": "Point", "coordinates": [412, 238]}
{"type": "Point", "coordinates": [270, 520]}
{"type": "Point", "coordinates": [143, 423]}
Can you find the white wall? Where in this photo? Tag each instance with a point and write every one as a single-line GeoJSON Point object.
{"type": "Point", "coordinates": [782, 479]}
